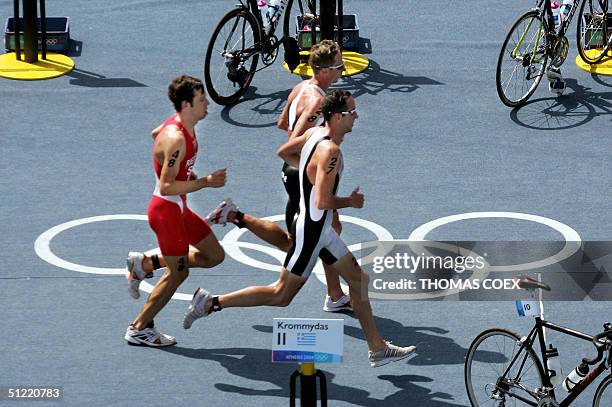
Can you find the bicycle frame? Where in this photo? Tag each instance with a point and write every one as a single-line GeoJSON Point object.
{"type": "Point", "coordinates": [538, 330]}
{"type": "Point", "coordinates": [251, 6]}
{"type": "Point", "coordinates": [547, 16]}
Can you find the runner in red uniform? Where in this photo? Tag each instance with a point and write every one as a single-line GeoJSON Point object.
{"type": "Point", "coordinates": [174, 224]}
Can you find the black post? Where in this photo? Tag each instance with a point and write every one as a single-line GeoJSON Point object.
{"type": "Point", "coordinates": [16, 37]}
{"type": "Point", "coordinates": [323, 384]}
{"type": "Point", "coordinates": [308, 391]}
{"type": "Point", "coordinates": [328, 15]}
{"type": "Point", "coordinates": [30, 46]}
{"type": "Point", "coordinates": [313, 26]}
{"type": "Point", "coordinates": [292, 393]}
{"type": "Point", "coordinates": [43, 29]}
{"type": "Point", "coordinates": [340, 22]}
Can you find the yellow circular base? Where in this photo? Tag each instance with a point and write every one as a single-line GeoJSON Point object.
{"type": "Point", "coordinates": [603, 67]}
{"type": "Point", "coordinates": [354, 63]}
{"type": "Point", "coordinates": [55, 65]}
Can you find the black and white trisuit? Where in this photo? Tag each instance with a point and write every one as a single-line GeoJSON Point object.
{"type": "Point", "coordinates": [290, 173]}
{"type": "Point", "coordinates": [313, 235]}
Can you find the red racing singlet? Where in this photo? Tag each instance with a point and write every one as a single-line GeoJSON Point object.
{"type": "Point", "coordinates": [186, 165]}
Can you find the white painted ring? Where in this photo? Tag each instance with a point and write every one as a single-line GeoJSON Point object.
{"type": "Point", "coordinates": [43, 249]}
{"type": "Point", "coordinates": [572, 238]}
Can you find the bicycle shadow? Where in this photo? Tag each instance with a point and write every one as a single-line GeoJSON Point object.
{"type": "Point", "coordinates": [256, 110]}
{"type": "Point", "coordinates": [376, 80]}
{"type": "Point", "coordinates": [254, 364]}
{"type": "Point", "coordinates": [262, 110]}
{"type": "Point", "coordinates": [564, 112]}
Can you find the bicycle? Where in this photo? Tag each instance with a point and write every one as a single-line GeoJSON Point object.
{"type": "Point", "coordinates": [517, 375]}
{"type": "Point", "coordinates": [533, 41]}
{"type": "Point", "coordinates": [242, 37]}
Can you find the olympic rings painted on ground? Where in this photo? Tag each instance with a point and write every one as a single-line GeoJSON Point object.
{"type": "Point", "coordinates": [572, 238]}
{"type": "Point", "coordinates": [237, 254]}
{"type": "Point", "coordinates": [43, 250]}
{"type": "Point", "coordinates": [233, 247]}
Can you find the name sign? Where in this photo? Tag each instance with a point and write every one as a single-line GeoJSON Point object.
{"type": "Point", "coordinates": [307, 340]}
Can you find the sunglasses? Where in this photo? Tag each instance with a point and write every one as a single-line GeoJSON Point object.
{"type": "Point", "coordinates": [337, 67]}
{"type": "Point", "coordinates": [350, 112]}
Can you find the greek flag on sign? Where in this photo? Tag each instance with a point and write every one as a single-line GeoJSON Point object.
{"type": "Point", "coordinates": [306, 339]}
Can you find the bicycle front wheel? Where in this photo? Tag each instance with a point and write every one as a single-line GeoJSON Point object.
{"type": "Point", "coordinates": [522, 60]}
{"type": "Point", "coordinates": [591, 31]}
{"type": "Point", "coordinates": [602, 397]}
{"type": "Point", "coordinates": [231, 56]}
{"type": "Point", "coordinates": [492, 353]}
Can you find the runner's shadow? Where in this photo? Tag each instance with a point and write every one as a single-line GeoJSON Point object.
{"type": "Point", "coordinates": [418, 395]}
{"type": "Point", "coordinates": [571, 110]}
{"type": "Point", "coordinates": [255, 110]}
{"type": "Point", "coordinates": [432, 348]}
{"type": "Point", "coordinates": [253, 364]}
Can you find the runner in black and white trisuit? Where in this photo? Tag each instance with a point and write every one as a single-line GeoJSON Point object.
{"type": "Point", "coordinates": [319, 159]}
{"type": "Point", "coordinates": [314, 237]}
{"type": "Point", "coordinates": [302, 112]}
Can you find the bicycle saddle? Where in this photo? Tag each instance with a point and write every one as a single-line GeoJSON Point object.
{"type": "Point", "coordinates": [529, 283]}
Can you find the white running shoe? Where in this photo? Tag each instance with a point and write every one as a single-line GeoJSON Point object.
{"type": "Point", "coordinates": [391, 353]}
{"type": "Point", "coordinates": [148, 337]}
{"type": "Point", "coordinates": [556, 83]}
{"type": "Point", "coordinates": [135, 273]}
{"type": "Point", "coordinates": [343, 303]}
{"type": "Point", "coordinates": [197, 308]}
{"type": "Point", "coordinates": [218, 216]}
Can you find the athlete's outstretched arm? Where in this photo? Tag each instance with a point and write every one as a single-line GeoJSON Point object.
{"type": "Point", "coordinates": [328, 157]}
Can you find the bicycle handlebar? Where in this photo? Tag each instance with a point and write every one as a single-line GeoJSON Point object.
{"type": "Point", "coordinates": [599, 345]}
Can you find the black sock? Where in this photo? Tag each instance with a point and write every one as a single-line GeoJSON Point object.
{"type": "Point", "coordinates": [155, 261]}
{"type": "Point", "coordinates": [216, 306]}
{"type": "Point", "coordinates": [238, 220]}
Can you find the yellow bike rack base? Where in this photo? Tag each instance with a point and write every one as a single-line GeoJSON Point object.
{"type": "Point", "coordinates": [603, 67]}
{"type": "Point", "coordinates": [354, 63]}
{"type": "Point", "coordinates": [55, 65]}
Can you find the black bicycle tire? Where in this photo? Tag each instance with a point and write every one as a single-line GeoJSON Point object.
{"type": "Point", "coordinates": [287, 17]}
{"type": "Point", "coordinates": [600, 390]}
{"type": "Point", "coordinates": [252, 20]}
{"type": "Point", "coordinates": [505, 100]}
{"type": "Point", "coordinates": [581, 50]}
{"type": "Point", "coordinates": [472, 349]}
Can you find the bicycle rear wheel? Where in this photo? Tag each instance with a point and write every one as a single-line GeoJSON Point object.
{"type": "Point", "coordinates": [299, 15]}
{"type": "Point", "coordinates": [488, 358]}
{"type": "Point", "coordinates": [602, 397]}
{"type": "Point", "coordinates": [591, 31]}
{"type": "Point", "coordinates": [231, 56]}
{"type": "Point", "coordinates": [522, 60]}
